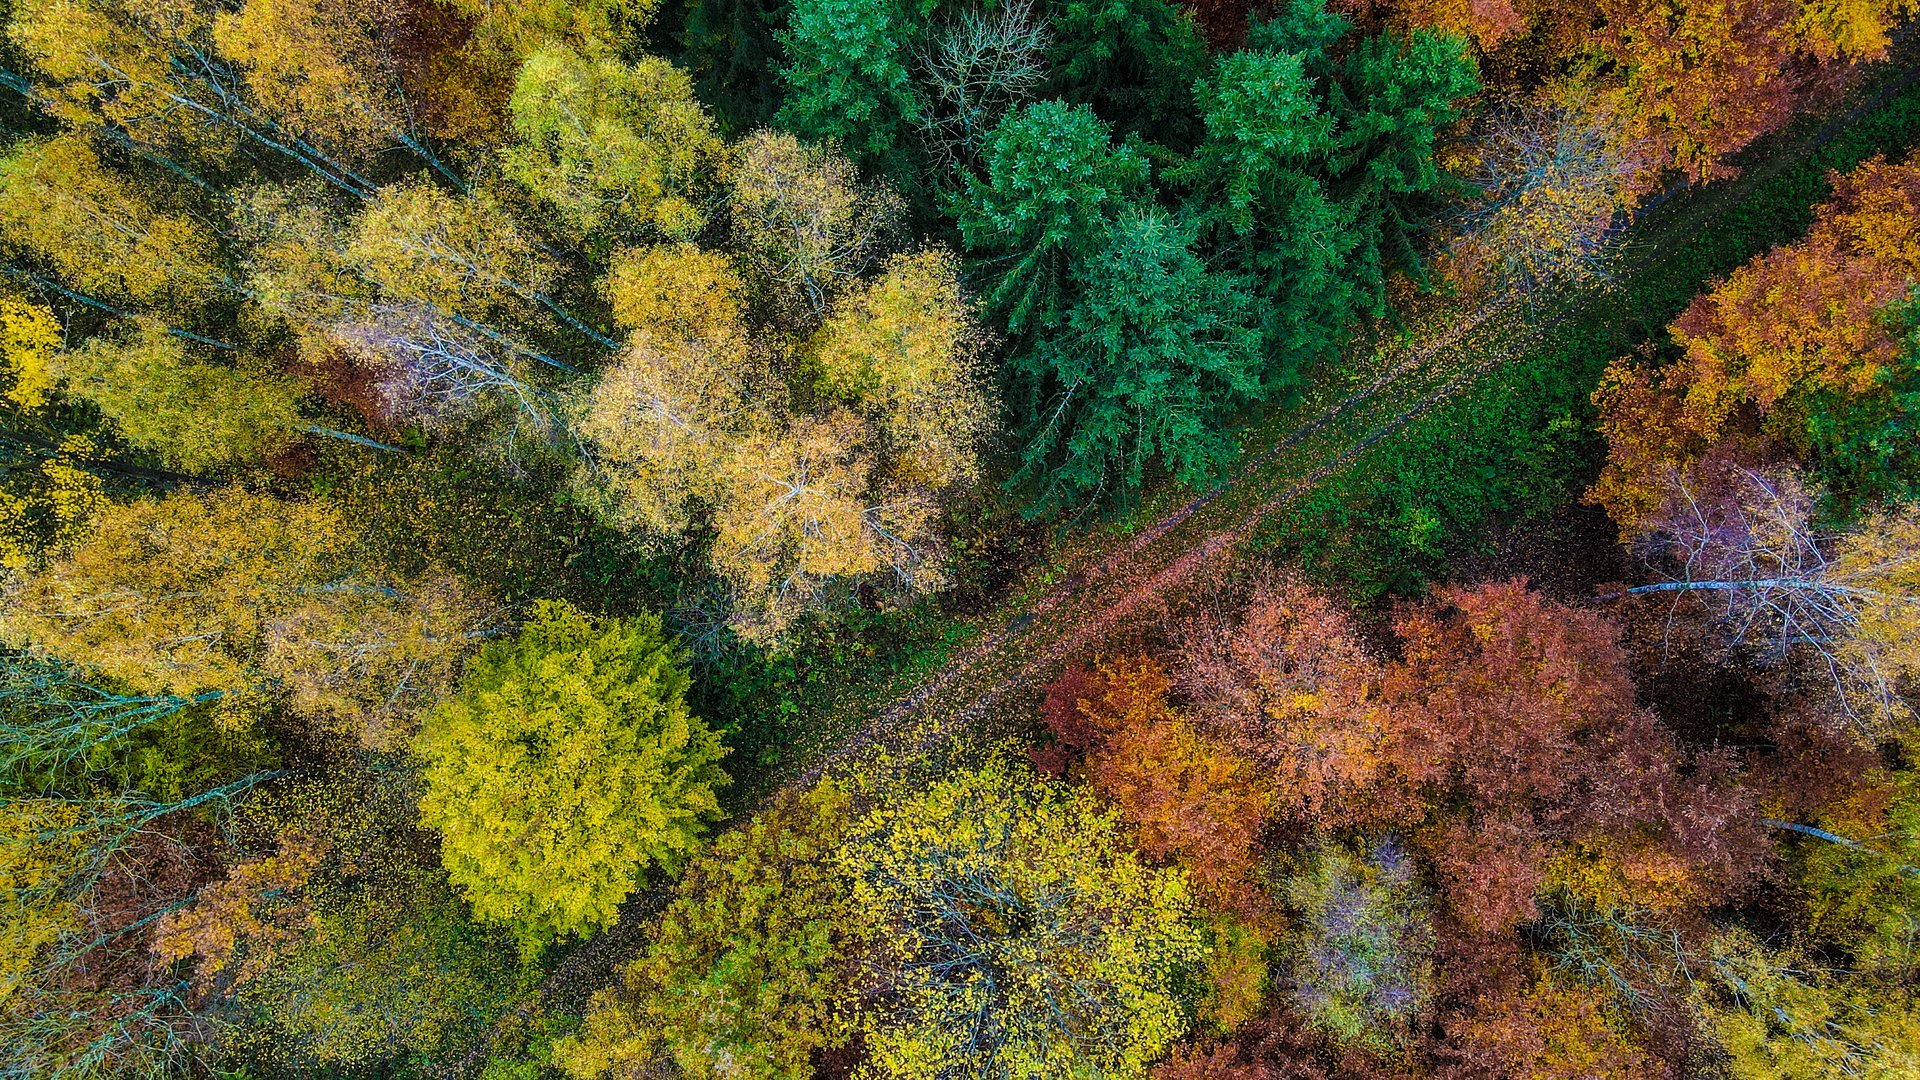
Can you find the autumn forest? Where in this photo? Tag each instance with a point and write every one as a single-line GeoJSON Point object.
{"type": "Point", "coordinates": [960, 539]}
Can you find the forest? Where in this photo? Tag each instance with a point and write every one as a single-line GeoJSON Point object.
{"type": "Point", "coordinates": [960, 539]}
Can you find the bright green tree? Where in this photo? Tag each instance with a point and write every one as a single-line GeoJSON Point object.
{"type": "Point", "coordinates": [564, 767]}
{"type": "Point", "coordinates": [748, 972]}
{"type": "Point", "coordinates": [847, 79]}
{"type": "Point", "coordinates": [1054, 184]}
{"type": "Point", "coordinates": [1156, 354]}
{"type": "Point", "coordinates": [1027, 941]}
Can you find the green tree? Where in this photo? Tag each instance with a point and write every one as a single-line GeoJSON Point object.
{"type": "Point", "coordinates": [1027, 941]}
{"type": "Point", "coordinates": [847, 78]}
{"type": "Point", "coordinates": [748, 972]}
{"type": "Point", "coordinates": [1149, 363]}
{"type": "Point", "coordinates": [564, 767]}
{"type": "Point", "coordinates": [614, 147]}
{"type": "Point", "coordinates": [1132, 60]}
{"type": "Point", "coordinates": [1055, 182]}
{"type": "Point", "coordinates": [195, 414]}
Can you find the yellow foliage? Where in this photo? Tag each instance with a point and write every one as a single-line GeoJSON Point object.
{"type": "Point", "coordinates": [674, 291]}
{"type": "Point", "coordinates": [28, 335]}
{"type": "Point", "coordinates": [902, 351]}
{"type": "Point", "coordinates": [58, 200]}
{"type": "Point", "coordinates": [1608, 875]}
{"type": "Point", "coordinates": [51, 515]}
{"type": "Point", "coordinates": [34, 912]}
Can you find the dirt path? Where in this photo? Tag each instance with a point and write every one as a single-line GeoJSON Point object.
{"type": "Point", "coordinates": [1436, 361]}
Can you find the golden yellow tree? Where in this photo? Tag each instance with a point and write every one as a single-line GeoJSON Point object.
{"type": "Point", "coordinates": [902, 351]}
{"type": "Point", "coordinates": [58, 200]}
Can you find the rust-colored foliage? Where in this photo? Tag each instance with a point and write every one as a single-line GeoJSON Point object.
{"type": "Point", "coordinates": [1290, 685]}
{"type": "Point", "coordinates": [1496, 690]}
{"type": "Point", "coordinates": [1491, 866]}
{"type": "Point", "coordinates": [1799, 318]}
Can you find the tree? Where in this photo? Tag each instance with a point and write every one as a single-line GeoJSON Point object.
{"type": "Point", "coordinates": [903, 351]}
{"type": "Point", "coordinates": [1783, 589]}
{"type": "Point", "coordinates": [847, 80]}
{"type": "Point", "coordinates": [29, 334]}
{"type": "Point", "coordinates": [807, 508]}
{"type": "Point", "coordinates": [237, 596]}
{"type": "Point", "coordinates": [329, 72]}
{"type": "Point", "coordinates": [1025, 941]}
{"type": "Point", "coordinates": [1155, 355]}
{"type": "Point", "coordinates": [151, 72]}
{"type": "Point", "coordinates": [59, 201]}
{"type": "Point", "coordinates": [675, 292]}
{"type": "Point", "coordinates": [747, 973]}
{"type": "Point", "coordinates": [1555, 175]}
{"type": "Point", "coordinates": [1054, 184]}
{"type": "Point", "coordinates": [49, 509]}
{"type": "Point", "coordinates": [1556, 1031]}
{"type": "Point", "coordinates": [1794, 325]}
{"type": "Point", "coordinates": [565, 766]}
{"type": "Point", "coordinates": [662, 423]}
{"type": "Point", "coordinates": [614, 147]}
{"type": "Point", "coordinates": [804, 224]}
{"type": "Point", "coordinates": [1320, 169]}
{"type": "Point", "coordinates": [1133, 61]}
{"type": "Point", "coordinates": [462, 254]}
{"type": "Point", "coordinates": [1778, 1020]}
{"type": "Point", "coordinates": [1359, 959]}
{"type": "Point", "coordinates": [196, 415]}
{"type": "Point", "coordinates": [973, 72]}
{"type": "Point", "coordinates": [1287, 682]}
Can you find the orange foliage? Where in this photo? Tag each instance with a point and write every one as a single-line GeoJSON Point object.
{"type": "Point", "coordinates": [233, 927]}
{"type": "Point", "coordinates": [1188, 799]}
{"type": "Point", "coordinates": [1491, 866]}
{"type": "Point", "coordinates": [1794, 319]}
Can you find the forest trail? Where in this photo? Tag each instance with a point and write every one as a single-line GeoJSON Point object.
{"type": "Point", "coordinates": [1023, 644]}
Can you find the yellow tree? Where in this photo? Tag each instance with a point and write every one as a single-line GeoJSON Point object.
{"type": "Point", "coordinates": [243, 595]}
{"type": "Point", "coordinates": [803, 222]}
{"type": "Point", "coordinates": [803, 509]}
{"type": "Point", "coordinates": [58, 200]}
{"type": "Point", "coordinates": [614, 147]}
{"type": "Point", "coordinates": [325, 70]}
{"type": "Point", "coordinates": [663, 420]}
{"type": "Point", "coordinates": [902, 351]}
{"type": "Point", "coordinates": [29, 334]}
{"type": "Point", "coordinates": [675, 291]}
{"type": "Point", "coordinates": [194, 413]}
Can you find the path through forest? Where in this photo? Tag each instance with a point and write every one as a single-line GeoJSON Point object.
{"type": "Point", "coordinates": [1022, 645]}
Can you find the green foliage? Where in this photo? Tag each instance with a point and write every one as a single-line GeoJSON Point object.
{"type": "Point", "coordinates": [1519, 445]}
{"type": "Point", "coordinates": [1866, 447]}
{"type": "Point", "coordinates": [564, 767]}
{"type": "Point", "coordinates": [1132, 60]}
{"type": "Point", "coordinates": [748, 972]}
{"type": "Point", "coordinates": [847, 80]}
{"type": "Point", "coordinates": [1149, 363]}
{"type": "Point", "coordinates": [1868, 901]}
{"type": "Point", "coordinates": [1027, 942]}
{"type": "Point", "coordinates": [1055, 183]}
{"type": "Point", "coordinates": [1359, 958]}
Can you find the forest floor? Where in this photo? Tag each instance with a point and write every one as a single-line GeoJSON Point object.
{"type": "Point", "coordinates": [1111, 586]}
